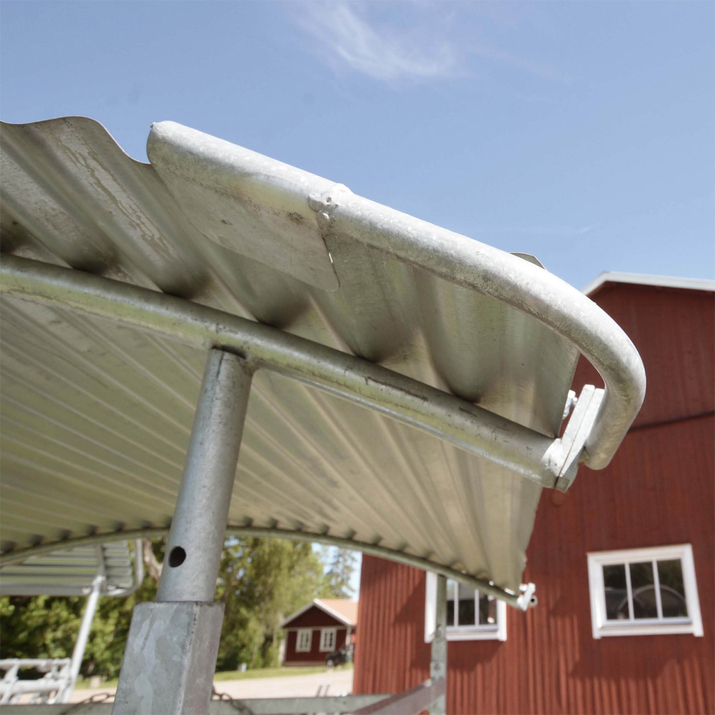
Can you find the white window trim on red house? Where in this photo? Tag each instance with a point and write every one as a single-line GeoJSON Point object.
{"type": "Point", "coordinates": [461, 633]}
{"type": "Point", "coordinates": [642, 627]}
{"type": "Point", "coordinates": [328, 634]}
{"type": "Point", "coordinates": [301, 635]}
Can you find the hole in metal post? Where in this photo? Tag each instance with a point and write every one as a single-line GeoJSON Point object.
{"type": "Point", "coordinates": [177, 557]}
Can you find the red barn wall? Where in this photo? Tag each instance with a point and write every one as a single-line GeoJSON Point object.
{"type": "Point", "coordinates": [658, 490]}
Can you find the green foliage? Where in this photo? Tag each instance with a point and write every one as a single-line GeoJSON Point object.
{"type": "Point", "coordinates": [261, 581]}
{"type": "Point", "coordinates": [340, 565]}
{"type": "Point", "coordinates": [47, 627]}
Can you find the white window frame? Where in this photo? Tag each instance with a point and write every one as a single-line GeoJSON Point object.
{"type": "Point", "coordinates": [324, 633]}
{"type": "Point", "coordinates": [651, 626]}
{"type": "Point", "coordinates": [300, 636]}
{"type": "Point", "coordinates": [496, 632]}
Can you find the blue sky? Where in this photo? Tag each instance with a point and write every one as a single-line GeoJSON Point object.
{"type": "Point", "coordinates": [581, 132]}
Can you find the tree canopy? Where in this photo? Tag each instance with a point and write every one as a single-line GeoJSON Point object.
{"type": "Point", "coordinates": [261, 581]}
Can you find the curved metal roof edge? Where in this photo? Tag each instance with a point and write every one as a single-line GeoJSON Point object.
{"type": "Point", "coordinates": [517, 600]}
{"type": "Point", "coordinates": [65, 547]}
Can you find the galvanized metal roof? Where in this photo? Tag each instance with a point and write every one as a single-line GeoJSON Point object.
{"type": "Point", "coordinates": [72, 572]}
{"type": "Point", "coordinates": [96, 414]}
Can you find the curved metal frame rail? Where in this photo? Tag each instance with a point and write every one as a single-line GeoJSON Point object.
{"type": "Point", "coordinates": [185, 617]}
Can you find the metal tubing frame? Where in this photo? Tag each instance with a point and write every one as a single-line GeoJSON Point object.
{"type": "Point", "coordinates": [509, 279]}
{"type": "Point", "coordinates": [551, 463]}
{"type": "Point", "coordinates": [190, 639]}
{"type": "Point", "coordinates": [409, 702]}
{"type": "Point", "coordinates": [138, 570]}
{"type": "Point", "coordinates": [409, 401]}
{"type": "Point", "coordinates": [198, 529]}
{"type": "Point", "coordinates": [438, 657]}
{"type": "Point", "coordinates": [431, 694]}
{"type": "Point", "coordinates": [99, 584]}
{"type": "Point", "coordinates": [202, 505]}
{"type": "Point", "coordinates": [56, 673]}
{"type": "Point", "coordinates": [519, 600]}
{"type": "Point", "coordinates": [83, 635]}
{"type": "Point", "coordinates": [263, 706]}
{"type": "Point", "coordinates": [191, 156]}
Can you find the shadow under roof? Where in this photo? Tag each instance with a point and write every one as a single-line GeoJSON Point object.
{"type": "Point", "coordinates": [96, 413]}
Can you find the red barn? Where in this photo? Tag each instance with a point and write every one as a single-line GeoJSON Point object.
{"type": "Point", "coordinates": [624, 563]}
{"type": "Point", "coordinates": [319, 628]}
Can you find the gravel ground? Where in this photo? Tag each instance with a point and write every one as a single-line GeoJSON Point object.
{"type": "Point", "coordinates": [339, 682]}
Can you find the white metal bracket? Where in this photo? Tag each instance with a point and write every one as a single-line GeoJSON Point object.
{"type": "Point", "coordinates": [571, 446]}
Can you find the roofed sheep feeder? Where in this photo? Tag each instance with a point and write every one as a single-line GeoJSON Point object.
{"type": "Point", "coordinates": [407, 384]}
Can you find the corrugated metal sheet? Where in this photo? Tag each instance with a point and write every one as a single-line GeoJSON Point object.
{"type": "Point", "coordinates": [96, 416]}
{"type": "Point", "coordinates": [71, 572]}
{"type": "Point", "coordinates": [658, 490]}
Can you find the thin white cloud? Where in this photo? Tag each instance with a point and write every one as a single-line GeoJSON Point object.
{"type": "Point", "coordinates": [347, 38]}
{"type": "Point", "coordinates": [423, 41]}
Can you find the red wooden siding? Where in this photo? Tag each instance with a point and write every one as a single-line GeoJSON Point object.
{"type": "Point", "coordinates": [673, 331]}
{"type": "Point", "coordinates": [659, 490]}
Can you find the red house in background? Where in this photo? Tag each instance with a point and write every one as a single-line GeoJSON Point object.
{"type": "Point", "coordinates": [318, 629]}
{"type": "Point", "coordinates": [624, 563]}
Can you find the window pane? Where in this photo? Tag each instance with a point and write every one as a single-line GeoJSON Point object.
{"type": "Point", "coordinates": [614, 581]}
{"type": "Point", "coordinates": [467, 613]}
{"type": "Point", "coordinates": [643, 590]}
{"type": "Point", "coordinates": [672, 590]}
{"type": "Point", "coordinates": [487, 610]}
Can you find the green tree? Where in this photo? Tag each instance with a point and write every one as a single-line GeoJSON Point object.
{"type": "Point", "coordinates": [261, 581]}
{"type": "Point", "coordinates": [339, 568]}
{"type": "Point", "coordinates": [47, 627]}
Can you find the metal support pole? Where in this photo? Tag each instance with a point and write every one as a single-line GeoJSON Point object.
{"type": "Point", "coordinates": [199, 526]}
{"type": "Point", "coordinates": [82, 637]}
{"type": "Point", "coordinates": [170, 657]}
{"type": "Point", "coordinates": [438, 662]}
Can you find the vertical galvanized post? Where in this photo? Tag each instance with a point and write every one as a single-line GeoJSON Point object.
{"type": "Point", "coordinates": [198, 529]}
{"type": "Point", "coordinates": [171, 651]}
{"type": "Point", "coordinates": [438, 662]}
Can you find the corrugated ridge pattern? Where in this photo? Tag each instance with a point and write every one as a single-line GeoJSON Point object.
{"type": "Point", "coordinates": [96, 418]}
{"type": "Point", "coordinates": [70, 572]}
{"type": "Point", "coordinates": [659, 490]}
